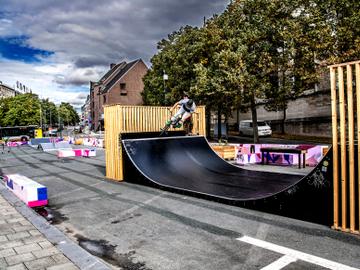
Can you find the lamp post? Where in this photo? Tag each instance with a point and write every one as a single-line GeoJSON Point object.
{"type": "Point", "coordinates": [165, 78]}
{"type": "Point", "coordinates": [41, 118]}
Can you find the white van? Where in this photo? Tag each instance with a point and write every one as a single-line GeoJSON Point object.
{"type": "Point", "coordinates": [246, 128]}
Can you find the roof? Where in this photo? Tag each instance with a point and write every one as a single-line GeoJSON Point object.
{"type": "Point", "coordinates": [111, 71]}
{"type": "Point", "coordinates": [7, 86]}
{"type": "Point", "coordinates": [118, 76]}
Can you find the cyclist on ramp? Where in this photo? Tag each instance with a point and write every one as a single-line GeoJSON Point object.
{"type": "Point", "coordinates": [183, 115]}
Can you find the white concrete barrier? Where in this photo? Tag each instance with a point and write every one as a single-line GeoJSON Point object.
{"type": "Point", "coordinates": [62, 153]}
{"type": "Point", "coordinates": [29, 191]}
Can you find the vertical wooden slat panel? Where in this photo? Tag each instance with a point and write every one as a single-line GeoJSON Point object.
{"type": "Point", "coordinates": [343, 148]}
{"type": "Point", "coordinates": [120, 119]}
{"type": "Point", "coordinates": [121, 127]}
{"type": "Point", "coordinates": [349, 192]}
{"type": "Point", "coordinates": [349, 86]}
{"type": "Point", "coordinates": [357, 76]}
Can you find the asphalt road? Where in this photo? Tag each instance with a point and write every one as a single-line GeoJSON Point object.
{"type": "Point", "coordinates": [132, 226]}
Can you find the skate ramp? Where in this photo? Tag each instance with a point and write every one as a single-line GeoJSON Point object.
{"type": "Point", "coordinates": [189, 164]}
{"type": "Point", "coordinates": [35, 142]}
{"type": "Point", "coordinates": [48, 147]}
{"type": "Point", "coordinates": [64, 145]}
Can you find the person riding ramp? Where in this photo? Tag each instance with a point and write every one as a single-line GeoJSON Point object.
{"type": "Point", "coordinates": [187, 108]}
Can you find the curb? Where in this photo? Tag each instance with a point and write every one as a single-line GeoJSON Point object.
{"type": "Point", "coordinates": [79, 256]}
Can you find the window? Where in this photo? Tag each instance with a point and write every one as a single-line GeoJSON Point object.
{"type": "Point", "coordinates": [123, 91]}
{"type": "Point", "coordinates": [104, 97]}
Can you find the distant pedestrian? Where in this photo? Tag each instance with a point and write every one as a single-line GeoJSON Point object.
{"type": "Point", "coordinates": [6, 143]}
{"type": "Point", "coordinates": [2, 144]}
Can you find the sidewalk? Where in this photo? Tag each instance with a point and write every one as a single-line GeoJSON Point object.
{"type": "Point", "coordinates": [28, 241]}
{"type": "Point", "coordinates": [22, 246]}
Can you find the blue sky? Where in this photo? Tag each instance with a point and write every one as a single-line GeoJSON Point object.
{"type": "Point", "coordinates": [57, 47]}
{"type": "Point", "coordinates": [16, 48]}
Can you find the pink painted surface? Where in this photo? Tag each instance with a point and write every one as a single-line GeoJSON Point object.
{"type": "Point", "coordinates": [78, 152]}
{"type": "Point", "coordinates": [250, 153]}
{"type": "Point", "coordinates": [37, 203]}
{"type": "Point", "coordinates": [65, 153]}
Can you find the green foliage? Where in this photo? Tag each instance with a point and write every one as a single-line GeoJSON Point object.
{"type": "Point", "coordinates": [68, 114]}
{"type": "Point", "coordinates": [177, 56]}
{"type": "Point", "coordinates": [49, 112]}
{"type": "Point", "coordinates": [20, 110]}
{"type": "Point", "coordinates": [27, 109]}
{"type": "Point", "coordinates": [271, 50]}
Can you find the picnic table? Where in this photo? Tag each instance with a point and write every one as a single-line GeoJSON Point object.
{"type": "Point", "coordinates": [299, 152]}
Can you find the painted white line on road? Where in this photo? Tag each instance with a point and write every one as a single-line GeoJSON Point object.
{"type": "Point", "coordinates": [296, 254]}
{"type": "Point", "coordinates": [280, 263]}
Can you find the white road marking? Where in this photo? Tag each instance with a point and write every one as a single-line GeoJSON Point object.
{"type": "Point", "coordinates": [280, 263]}
{"type": "Point", "coordinates": [296, 254]}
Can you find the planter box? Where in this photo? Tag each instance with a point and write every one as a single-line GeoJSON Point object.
{"type": "Point", "coordinates": [225, 151]}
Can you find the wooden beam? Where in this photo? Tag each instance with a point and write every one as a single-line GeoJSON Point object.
{"type": "Point", "coordinates": [350, 107]}
{"type": "Point", "coordinates": [357, 75]}
{"type": "Point", "coordinates": [342, 148]}
{"type": "Point", "coordinates": [344, 64]}
{"type": "Point", "coordinates": [335, 148]}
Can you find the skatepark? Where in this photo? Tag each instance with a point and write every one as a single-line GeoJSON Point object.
{"type": "Point", "coordinates": [150, 202]}
{"type": "Point", "coordinates": [128, 224]}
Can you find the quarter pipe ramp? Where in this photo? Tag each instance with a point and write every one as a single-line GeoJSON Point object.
{"type": "Point", "coordinates": [189, 164]}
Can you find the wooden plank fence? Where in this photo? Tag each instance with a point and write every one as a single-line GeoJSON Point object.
{"type": "Point", "coordinates": [125, 119]}
{"type": "Point", "coordinates": [346, 133]}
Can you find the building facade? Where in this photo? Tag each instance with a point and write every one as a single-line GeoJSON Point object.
{"type": "Point", "coordinates": [7, 91]}
{"type": "Point", "coordinates": [122, 84]}
{"type": "Point", "coordinates": [85, 112]}
{"type": "Point", "coordinates": [308, 115]}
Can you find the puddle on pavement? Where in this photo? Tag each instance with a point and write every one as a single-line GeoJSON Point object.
{"type": "Point", "coordinates": [104, 250]}
{"type": "Point", "coordinates": [52, 215]}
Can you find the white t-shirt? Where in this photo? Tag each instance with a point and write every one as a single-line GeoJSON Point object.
{"type": "Point", "coordinates": [183, 103]}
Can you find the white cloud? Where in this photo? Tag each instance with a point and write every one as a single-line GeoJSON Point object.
{"type": "Point", "coordinates": [87, 35]}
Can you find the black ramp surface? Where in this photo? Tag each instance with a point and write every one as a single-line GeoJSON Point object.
{"type": "Point", "coordinates": [189, 163]}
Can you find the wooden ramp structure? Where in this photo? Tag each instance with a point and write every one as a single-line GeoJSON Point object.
{"type": "Point", "coordinates": [345, 100]}
{"type": "Point", "coordinates": [121, 119]}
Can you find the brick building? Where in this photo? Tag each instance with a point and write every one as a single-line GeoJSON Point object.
{"type": "Point", "coordinates": [122, 84]}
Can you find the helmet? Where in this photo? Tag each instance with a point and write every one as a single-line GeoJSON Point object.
{"type": "Point", "coordinates": [189, 103]}
{"type": "Point", "coordinates": [185, 94]}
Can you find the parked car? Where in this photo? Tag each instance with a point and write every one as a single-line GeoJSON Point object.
{"type": "Point", "coordinates": [246, 128]}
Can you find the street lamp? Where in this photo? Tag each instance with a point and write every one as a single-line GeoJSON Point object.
{"type": "Point", "coordinates": [165, 78]}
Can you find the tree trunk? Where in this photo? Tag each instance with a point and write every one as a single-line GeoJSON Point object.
{"type": "Point", "coordinates": [219, 123]}
{"type": "Point", "coordinates": [208, 122]}
{"type": "Point", "coordinates": [283, 121]}
{"type": "Point", "coordinates": [254, 120]}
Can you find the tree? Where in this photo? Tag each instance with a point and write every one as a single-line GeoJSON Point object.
{"type": "Point", "coordinates": [49, 112]}
{"type": "Point", "coordinates": [20, 110]}
{"type": "Point", "coordinates": [267, 50]}
{"type": "Point", "coordinates": [218, 82]}
{"type": "Point", "coordinates": [68, 114]}
{"type": "Point", "coordinates": [177, 56]}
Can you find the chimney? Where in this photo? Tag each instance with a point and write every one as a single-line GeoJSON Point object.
{"type": "Point", "coordinates": [112, 65]}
